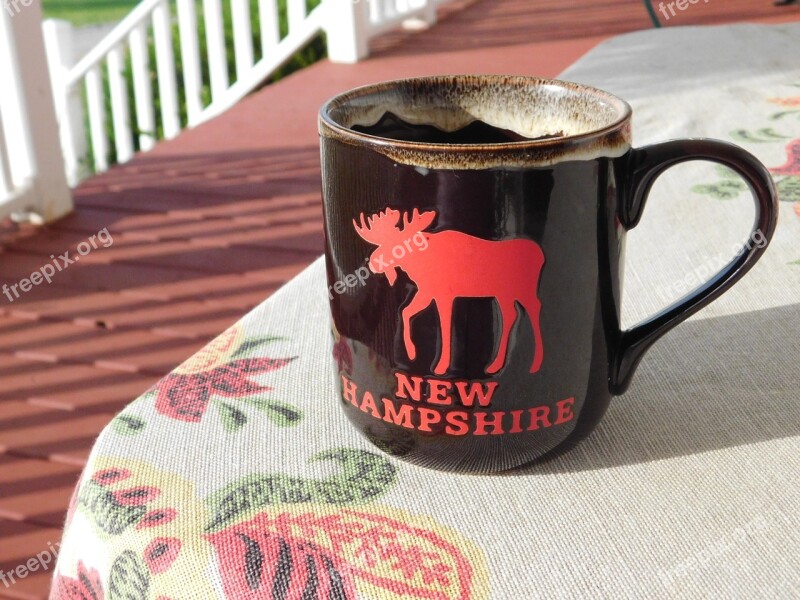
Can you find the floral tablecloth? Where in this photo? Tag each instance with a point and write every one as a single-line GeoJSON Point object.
{"type": "Point", "coordinates": [238, 476]}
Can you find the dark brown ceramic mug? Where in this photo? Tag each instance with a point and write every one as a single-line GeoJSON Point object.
{"type": "Point", "coordinates": [475, 230]}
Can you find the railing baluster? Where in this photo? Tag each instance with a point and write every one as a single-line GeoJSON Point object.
{"type": "Point", "coordinates": [242, 37]}
{"type": "Point", "coordinates": [215, 36]}
{"type": "Point", "coordinates": [36, 160]}
{"type": "Point", "coordinates": [142, 88]}
{"type": "Point", "coordinates": [347, 27]}
{"type": "Point", "coordinates": [68, 100]}
{"type": "Point", "coordinates": [120, 111]}
{"type": "Point", "coordinates": [383, 15]}
{"type": "Point", "coordinates": [375, 11]}
{"type": "Point", "coordinates": [165, 65]}
{"type": "Point", "coordinates": [190, 58]}
{"type": "Point", "coordinates": [270, 26]}
{"type": "Point", "coordinates": [428, 13]}
{"type": "Point", "coordinates": [297, 13]}
{"type": "Point", "coordinates": [97, 118]}
{"type": "Point", "coordinates": [348, 24]}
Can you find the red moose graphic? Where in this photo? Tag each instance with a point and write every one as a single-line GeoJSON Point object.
{"type": "Point", "coordinates": [456, 265]}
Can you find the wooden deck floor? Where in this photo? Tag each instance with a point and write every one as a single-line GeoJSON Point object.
{"type": "Point", "coordinates": [209, 225]}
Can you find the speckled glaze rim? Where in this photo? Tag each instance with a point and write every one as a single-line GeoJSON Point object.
{"type": "Point", "coordinates": [612, 139]}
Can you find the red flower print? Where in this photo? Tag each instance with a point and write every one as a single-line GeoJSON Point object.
{"type": "Point", "coordinates": [185, 393]}
{"type": "Point", "coordinates": [136, 496]}
{"type": "Point", "coordinates": [305, 550]}
{"type": "Point", "coordinates": [185, 396]}
{"type": "Point", "coordinates": [261, 565]}
{"type": "Point", "coordinates": [161, 553]}
{"type": "Point", "coordinates": [86, 586]}
{"type": "Point", "coordinates": [792, 166]}
{"type": "Point", "coordinates": [794, 101]}
{"type": "Point", "coordinates": [160, 516]}
{"type": "Point", "coordinates": [109, 476]}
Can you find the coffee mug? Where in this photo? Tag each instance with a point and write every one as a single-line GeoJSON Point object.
{"type": "Point", "coordinates": [475, 233]}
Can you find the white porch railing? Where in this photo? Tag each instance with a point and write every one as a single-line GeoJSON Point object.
{"type": "Point", "coordinates": [32, 182]}
{"type": "Point", "coordinates": [122, 59]}
{"type": "Point", "coordinates": [48, 126]}
{"type": "Point", "coordinates": [351, 24]}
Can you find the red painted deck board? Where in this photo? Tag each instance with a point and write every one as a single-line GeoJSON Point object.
{"type": "Point", "coordinates": [206, 227]}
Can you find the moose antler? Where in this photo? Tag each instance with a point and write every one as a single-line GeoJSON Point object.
{"type": "Point", "coordinates": [378, 228]}
{"type": "Point", "coordinates": [417, 222]}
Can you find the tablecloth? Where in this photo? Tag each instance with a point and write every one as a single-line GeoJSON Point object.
{"type": "Point", "coordinates": [238, 476]}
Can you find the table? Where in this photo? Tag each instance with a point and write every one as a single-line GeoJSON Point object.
{"type": "Point", "coordinates": [238, 476]}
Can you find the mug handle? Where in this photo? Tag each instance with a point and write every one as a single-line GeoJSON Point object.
{"type": "Point", "coordinates": [637, 175]}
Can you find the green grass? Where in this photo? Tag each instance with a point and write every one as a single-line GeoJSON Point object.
{"type": "Point", "coordinates": [86, 12]}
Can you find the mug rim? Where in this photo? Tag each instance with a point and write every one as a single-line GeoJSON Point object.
{"type": "Point", "coordinates": [549, 150]}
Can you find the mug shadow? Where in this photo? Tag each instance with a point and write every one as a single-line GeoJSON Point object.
{"type": "Point", "coordinates": [708, 385]}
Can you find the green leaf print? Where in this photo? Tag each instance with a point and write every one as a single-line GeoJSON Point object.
{"type": "Point", "coordinates": [128, 425]}
{"type": "Point", "coordinates": [364, 476]}
{"type": "Point", "coordinates": [789, 189]}
{"type": "Point", "coordinates": [722, 190]}
{"type": "Point", "coordinates": [129, 579]}
{"type": "Point", "coordinates": [254, 344]}
{"type": "Point", "coordinates": [727, 172]}
{"type": "Point", "coordinates": [784, 113]}
{"type": "Point", "coordinates": [280, 413]}
{"type": "Point", "coordinates": [108, 514]}
{"type": "Point", "coordinates": [232, 418]}
{"type": "Point", "coordinates": [758, 137]}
